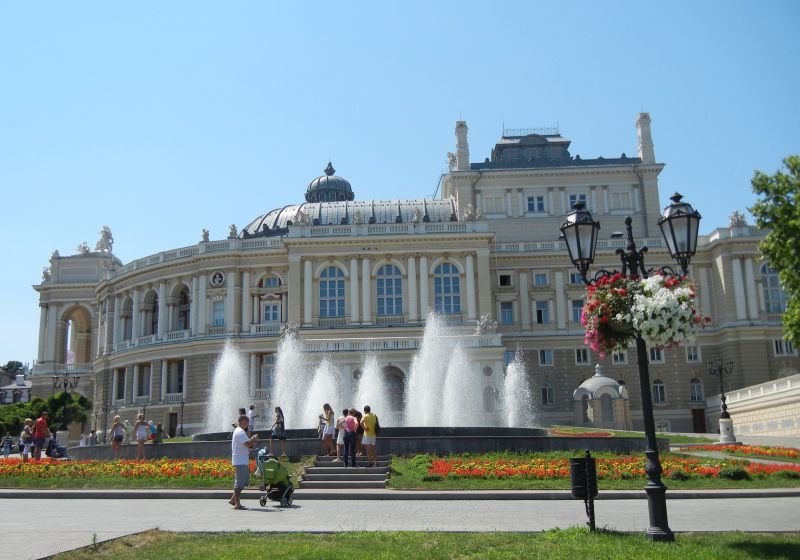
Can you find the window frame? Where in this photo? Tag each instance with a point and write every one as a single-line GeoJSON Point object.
{"type": "Point", "coordinates": [546, 358]}
{"type": "Point", "coordinates": [389, 278]}
{"type": "Point", "coordinates": [659, 391]}
{"type": "Point", "coordinates": [447, 289]}
{"type": "Point", "coordinates": [586, 360]}
{"type": "Point", "coordinates": [542, 315]}
{"type": "Point", "coordinates": [328, 280]}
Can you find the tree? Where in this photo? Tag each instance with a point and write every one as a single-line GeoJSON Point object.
{"type": "Point", "coordinates": [778, 211]}
{"type": "Point", "coordinates": [14, 367]}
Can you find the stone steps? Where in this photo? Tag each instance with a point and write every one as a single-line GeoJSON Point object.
{"type": "Point", "coordinates": [343, 484]}
{"type": "Point", "coordinates": [355, 475]}
{"type": "Point", "coordinates": [342, 470]}
{"type": "Point", "coordinates": [330, 474]}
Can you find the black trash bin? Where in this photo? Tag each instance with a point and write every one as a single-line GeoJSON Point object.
{"type": "Point", "coordinates": [577, 476]}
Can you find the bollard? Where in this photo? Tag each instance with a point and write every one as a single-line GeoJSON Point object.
{"type": "Point", "coordinates": [583, 479]}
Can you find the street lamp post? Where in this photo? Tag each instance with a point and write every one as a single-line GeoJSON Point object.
{"type": "Point", "coordinates": [679, 226]}
{"type": "Point", "coordinates": [65, 383]}
{"type": "Point", "coordinates": [720, 369]}
{"type": "Point", "coordinates": [183, 403]}
{"type": "Point", "coordinates": [106, 407]}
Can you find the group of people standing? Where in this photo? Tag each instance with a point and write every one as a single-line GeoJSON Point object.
{"type": "Point", "coordinates": [33, 439]}
{"type": "Point", "coordinates": [143, 431]}
{"type": "Point", "coordinates": [355, 432]}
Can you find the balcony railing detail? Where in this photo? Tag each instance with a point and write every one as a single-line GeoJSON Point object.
{"type": "Point", "coordinates": [389, 320]}
{"type": "Point", "coordinates": [145, 340]}
{"type": "Point", "coordinates": [265, 328]}
{"type": "Point", "coordinates": [173, 397]}
{"type": "Point", "coordinates": [177, 335]}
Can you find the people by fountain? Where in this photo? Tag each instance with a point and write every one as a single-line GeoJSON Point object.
{"type": "Point", "coordinates": [278, 431]}
{"type": "Point", "coordinates": [242, 412]}
{"type": "Point", "coordinates": [369, 423]}
{"type": "Point", "coordinates": [359, 434]}
{"type": "Point", "coordinates": [350, 427]}
{"type": "Point", "coordinates": [251, 415]}
{"type": "Point", "coordinates": [340, 429]}
{"type": "Point", "coordinates": [117, 434]}
{"type": "Point", "coordinates": [159, 434]}
{"type": "Point", "coordinates": [241, 444]}
{"type": "Point", "coordinates": [142, 429]}
{"type": "Point", "coordinates": [328, 430]}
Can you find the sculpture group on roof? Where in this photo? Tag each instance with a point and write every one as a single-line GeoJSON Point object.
{"type": "Point", "coordinates": [106, 241]}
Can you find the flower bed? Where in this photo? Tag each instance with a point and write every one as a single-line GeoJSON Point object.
{"type": "Point", "coordinates": [751, 450]}
{"type": "Point", "coordinates": [624, 467]}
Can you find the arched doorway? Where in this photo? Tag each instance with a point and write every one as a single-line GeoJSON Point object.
{"type": "Point", "coordinates": [75, 336]}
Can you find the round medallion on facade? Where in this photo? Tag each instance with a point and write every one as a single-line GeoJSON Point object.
{"type": "Point", "coordinates": [217, 279]}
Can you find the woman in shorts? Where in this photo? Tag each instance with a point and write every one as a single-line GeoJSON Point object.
{"type": "Point", "coordinates": [340, 429]}
{"type": "Point", "coordinates": [117, 435]}
{"type": "Point", "coordinates": [27, 439]}
{"type": "Point", "coordinates": [329, 429]}
{"type": "Point", "coordinates": [141, 430]}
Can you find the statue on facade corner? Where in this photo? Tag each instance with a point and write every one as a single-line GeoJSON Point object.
{"type": "Point", "coordinates": [233, 232]}
{"type": "Point", "coordinates": [290, 330]}
{"type": "Point", "coordinates": [416, 216]}
{"type": "Point", "coordinates": [204, 236]}
{"type": "Point", "coordinates": [83, 249]}
{"type": "Point", "coordinates": [55, 255]}
{"type": "Point", "coordinates": [301, 218]}
{"type": "Point", "coordinates": [737, 219]}
{"type": "Point", "coordinates": [357, 218]}
{"type": "Point", "coordinates": [471, 213]}
{"type": "Point", "coordinates": [486, 324]}
{"type": "Point", "coordinates": [46, 275]}
{"type": "Point", "coordinates": [452, 160]}
{"type": "Point", "coordinates": [106, 241]}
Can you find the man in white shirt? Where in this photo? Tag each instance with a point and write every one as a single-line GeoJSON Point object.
{"type": "Point", "coordinates": [251, 416]}
{"type": "Point", "coordinates": [240, 459]}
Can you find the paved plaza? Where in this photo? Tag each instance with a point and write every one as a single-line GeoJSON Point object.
{"type": "Point", "coordinates": [72, 523]}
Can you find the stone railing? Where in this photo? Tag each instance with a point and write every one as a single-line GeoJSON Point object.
{"type": "Point", "coordinates": [217, 330]}
{"type": "Point", "coordinates": [756, 391]}
{"type": "Point", "coordinates": [263, 394]}
{"type": "Point", "coordinates": [390, 320]}
{"type": "Point", "coordinates": [358, 230]}
{"type": "Point", "coordinates": [173, 397]}
{"type": "Point", "coordinates": [144, 340]}
{"type": "Point", "coordinates": [177, 335]}
{"type": "Point", "coordinates": [266, 328]}
{"type": "Point", "coordinates": [142, 399]}
{"type": "Point", "coordinates": [326, 322]}
{"type": "Point", "coordinates": [395, 343]}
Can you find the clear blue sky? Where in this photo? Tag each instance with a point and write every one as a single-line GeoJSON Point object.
{"type": "Point", "coordinates": [160, 119]}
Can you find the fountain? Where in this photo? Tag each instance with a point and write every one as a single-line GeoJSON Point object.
{"type": "Point", "coordinates": [518, 403]}
{"type": "Point", "coordinates": [229, 390]}
{"type": "Point", "coordinates": [372, 388]}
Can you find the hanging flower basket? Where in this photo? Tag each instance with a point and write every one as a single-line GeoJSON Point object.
{"type": "Point", "coordinates": [660, 309]}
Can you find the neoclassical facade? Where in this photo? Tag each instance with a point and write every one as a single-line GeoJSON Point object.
{"type": "Point", "coordinates": [358, 275]}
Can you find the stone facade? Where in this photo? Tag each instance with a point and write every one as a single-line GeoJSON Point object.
{"type": "Point", "coordinates": [148, 332]}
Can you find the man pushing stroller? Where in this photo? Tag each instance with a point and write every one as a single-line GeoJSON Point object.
{"type": "Point", "coordinates": [275, 479]}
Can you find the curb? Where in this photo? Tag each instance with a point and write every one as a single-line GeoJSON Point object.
{"type": "Point", "coordinates": [389, 494]}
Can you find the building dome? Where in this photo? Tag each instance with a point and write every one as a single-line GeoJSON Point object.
{"type": "Point", "coordinates": [599, 385]}
{"type": "Point", "coordinates": [329, 188]}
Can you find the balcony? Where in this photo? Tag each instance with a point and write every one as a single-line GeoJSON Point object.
{"type": "Point", "coordinates": [263, 394]}
{"type": "Point", "coordinates": [141, 400]}
{"type": "Point", "coordinates": [389, 320]}
{"type": "Point", "coordinates": [146, 340]}
{"type": "Point", "coordinates": [216, 330]}
{"type": "Point", "coordinates": [330, 322]}
{"type": "Point", "coordinates": [173, 397]}
{"type": "Point", "coordinates": [266, 328]}
{"type": "Point", "coordinates": [177, 335]}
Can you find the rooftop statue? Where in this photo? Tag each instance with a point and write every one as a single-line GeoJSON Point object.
{"type": "Point", "coordinates": [737, 219]}
{"type": "Point", "coordinates": [233, 232]}
{"type": "Point", "coordinates": [357, 218]}
{"type": "Point", "coordinates": [416, 216]}
{"type": "Point", "coordinates": [83, 249]}
{"type": "Point", "coordinates": [106, 241]}
{"type": "Point", "coordinates": [46, 274]}
{"type": "Point", "coordinates": [204, 236]}
{"type": "Point", "coordinates": [301, 218]}
{"type": "Point", "coordinates": [55, 255]}
{"type": "Point", "coordinates": [471, 213]}
{"type": "Point", "coordinates": [486, 324]}
{"type": "Point", "coordinates": [452, 160]}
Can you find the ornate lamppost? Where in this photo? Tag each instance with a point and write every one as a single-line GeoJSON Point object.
{"type": "Point", "coordinates": [65, 382]}
{"type": "Point", "coordinates": [720, 369]}
{"type": "Point", "coordinates": [183, 403]}
{"type": "Point", "coordinates": [107, 407]}
{"type": "Point", "coordinates": [679, 226]}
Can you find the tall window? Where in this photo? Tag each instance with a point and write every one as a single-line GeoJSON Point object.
{"type": "Point", "coordinates": [696, 390]}
{"type": "Point", "coordinates": [548, 396]}
{"type": "Point", "coordinates": [573, 198]}
{"type": "Point", "coordinates": [540, 279]}
{"type": "Point", "coordinates": [447, 289]}
{"type": "Point", "coordinates": [774, 296]}
{"type": "Point", "coordinates": [390, 290]}
{"type": "Point", "coordinates": [621, 200]}
{"type": "Point", "coordinates": [659, 391]}
{"type": "Point", "coordinates": [619, 357]}
{"type": "Point", "coordinates": [506, 312]}
{"type": "Point", "coordinates": [545, 357]}
{"type": "Point", "coordinates": [535, 204]}
{"type": "Point", "coordinates": [692, 354]}
{"type": "Point", "coordinates": [218, 313]}
{"type": "Point", "coordinates": [575, 278]}
{"type": "Point", "coordinates": [657, 355]}
{"type": "Point", "coordinates": [577, 310]}
{"type": "Point", "coordinates": [331, 292]}
{"type": "Point", "coordinates": [542, 312]}
{"type": "Point", "coordinates": [272, 313]}
{"type": "Point", "coordinates": [581, 356]}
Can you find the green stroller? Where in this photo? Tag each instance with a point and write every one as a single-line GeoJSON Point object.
{"type": "Point", "coordinates": [275, 480]}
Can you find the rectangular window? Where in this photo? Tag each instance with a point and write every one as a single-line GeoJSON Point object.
{"type": "Point", "coordinates": [621, 201]}
{"type": "Point", "coordinates": [218, 313]}
{"type": "Point", "coordinates": [573, 198]}
{"type": "Point", "coordinates": [542, 312]}
{"type": "Point", "coordinates": [696, 391]}
{"type": "Point", "coordinates": [545, 357]}
{"type": "Point", "coordinates": [656, 356]}
{"type": "Point", "coordinates": [535, 204]}
{"type": "Point", "coordinates": [619, 358]}
{"type": "Point", "coordinates": [575, 278]}
{"type": "Point", "coordinates": [693, 354]}
{"type": "Point", "coordinates": [581, 356]}
{"type": "Point", "coordinates": [540, 279]}
{"type": "Point", "coordinates": [120, 384]}
{"type": "Point", "coordinates": [504, 280]}
{"type": "Point", "coordinates": [783, 348]}
{"type": "Point", "coordinates": [272, 313]}
{"type": "Point", "coordinates": [659, 392]}
{"type": "Point", "coordinates": [506, 312]}
{"type": "Point", "coordinates": [547, 394]}
{"type": "Point", "coordinates": [577, 310]}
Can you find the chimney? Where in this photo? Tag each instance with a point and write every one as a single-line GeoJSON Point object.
{"type": "Point", "coordinates": [462, 147]}
{"type": "Point", "coordinates": [20, 380]}
{"type": "Point", "coordinates": [645, 138]}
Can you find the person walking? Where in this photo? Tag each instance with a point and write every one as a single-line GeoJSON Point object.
{"type": "Point", "coordinates": [340, 429]}
{"type": "Point", "coordinates": [328, 429]}
{"type": "Point", "coordinates": [278, 431]}
{"type": "Point", "coordinates": [41, 433]}
{"type": "Point", "coordinates": [241, 444]}
{"type": "Point", "coordinates": [26, 436]}
{"type": "Point", "coordinates": [142, 432]}
{"type": "Point", "coordinates": [350, 427]}
{"type": "Point", "coordinates": [8, 441]}
{"type": "Point", "coordinates": [117, 435]}
{"type": "Point", "coordinates": [251, 416]}
{"type": "Point", "coordinates": [370, 422]}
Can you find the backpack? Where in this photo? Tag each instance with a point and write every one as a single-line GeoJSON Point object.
{"type": "Point", "coordinates": [377, 426]}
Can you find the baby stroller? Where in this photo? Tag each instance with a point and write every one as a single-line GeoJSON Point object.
{"type": "Point", "coordinates": [275, 480]}
{"type": "Point", "coordinates": [56, 451]}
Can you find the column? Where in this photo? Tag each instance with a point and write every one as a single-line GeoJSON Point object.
{"type": "Point", "coordinates": [50, 343]}
{"type": "Point", "coordinates": [164, 379]}
{"type": "Point", "coordinates": [230, 301]}
{"type": "Point", "coordinates": [163, 314]}
{"type": "Point", "coordinates": [561, 311]}
{"type": "Point", "coordinates": [247, 302]}
{"type": "Point", "coordinates": [308, 281]}
{"type": "Point", "coordinates": [117, 319]}
{"type": "Point", "coordinates": [412, 289]}
{"type": "Point", "coordinates": [284, 307]}
{"type": "Point", "coordinates": [509, 202]}
{"type": "Point", "coordinates": [551, 205]}
{"type": "Point", "coordinates": [136, 331]}
{"type": "Point", "coordinates": [705, 291]}
{"type": "Point", "coordinates": [354, 293]}
{"type": "Point", "coordinates": [101, 332]}
{"type": "Point", "coordinates": [108, 344]}
{"type": "Point", "coordinates": [423, 288]}
{"type": "Point", "coordinates": [750, 288]}
{"type": "Point", "coordinates": [524, 302]}
{"type": "Point", "coordinates": [125, 392]}
{"type": "Point", "coordinates": [42, 332]}
{"type": "Point", "coordinates": [114, 384]}
{"type": "Point", "coordinates": [193, 306]}
{"type": "Point", "coordinates": [150, 381]}
{"type": "Point", "coordinates": [738, 289]}
{"type": "Point", "coordinates": [135, 387]}
{"type": "Point", "coordinates": [185, 378]}
{"type": "Point", "coordinates": [470, 271]}
{"type": "Point", "coordinates": [202, 306]}
{"type": "Point", "coordinates": [366, 291]}
{"type": "Point", "coordinates": [253, 373]}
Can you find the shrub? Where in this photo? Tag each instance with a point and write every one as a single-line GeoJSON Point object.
{"type": "Point", "coordinates": [787, 474]}
{"type": "Point", "coordinates": [679, 475]}
{"type": "Point", "coordinates": [420, 462]}
{"type": "Point", "coordinates": [432, 478]}
{"type": "Point", "coordinates": [734, 473]}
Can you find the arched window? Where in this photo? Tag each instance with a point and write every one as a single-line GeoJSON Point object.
{"type": "Point", "coordinates": [390, 290]}
{"type": "Point", "coordinates": [183, 310]}
{"type": "Point", "coordinates": [774, 296]}
{"type": "Point", "coordinates": [269, 282]}
{"type": "Point", "coordinates": [548, 396]}
{"type": "Point", "coordinates": [696, 390]}
{"type": "Point", "coordinates": [331, 292]}
{"type": "Point", "coordinates": [659, 391]}
{"type": "Point", "coordinates": [447, 289]}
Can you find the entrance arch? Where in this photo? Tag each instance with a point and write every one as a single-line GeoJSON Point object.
{"type": "Point", "coordinates": [395, 381]}
{"type": "Point", "coordinates": [74, 336]}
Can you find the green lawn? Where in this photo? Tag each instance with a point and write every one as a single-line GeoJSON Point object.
{"type": "Point", "coordinates": [673, 438]}
{"type": "Point", "coordinates": [555, 544]}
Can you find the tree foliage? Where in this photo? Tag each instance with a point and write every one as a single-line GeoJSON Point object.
{"type": "Point", "coordinates": [14, 367]}
{"type": "Point", "coordinates": [62, 408]}
{"type": "Point", "coordinates": [778, 211]}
